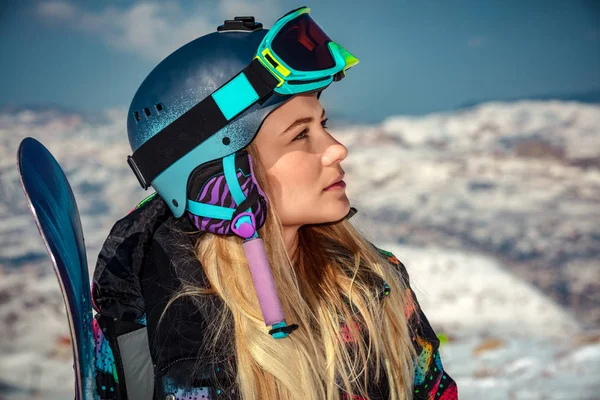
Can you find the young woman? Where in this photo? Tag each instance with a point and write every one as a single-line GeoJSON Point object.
{"type": "Point", "coordinates": [245, 271]}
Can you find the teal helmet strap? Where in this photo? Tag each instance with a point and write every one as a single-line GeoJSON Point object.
{"type": "Point", "coordinates": [244, 224]}
{"type": "Point", "coordinates": [209, 211]}
{"type": "Point", "coordinates": [231, 179]}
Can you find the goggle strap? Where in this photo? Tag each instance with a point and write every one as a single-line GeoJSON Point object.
{"type": "Point", "coordinates": [199, 123]}
{"type": "Point", "coordinates": [261, 79]}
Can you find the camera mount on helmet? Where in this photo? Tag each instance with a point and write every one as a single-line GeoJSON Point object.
{"type": "Point", "coordinates": [246, 24]}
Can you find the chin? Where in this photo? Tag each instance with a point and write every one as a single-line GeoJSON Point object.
{"type": "Point", "coordinates": [338, 212]}
{"type": "Point", "coordinates": [321, 213]}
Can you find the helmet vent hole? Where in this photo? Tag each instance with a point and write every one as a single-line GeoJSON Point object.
{"type": "Point", "coordinates": [136, 115]}
{"type": "Point", "coordinates": [226, 141]}
{"type": "Point", "coordinates": [159, 107]}
{"type": "Point", "coordinates": [175, 203]}
{"type": "Point", "coordinates": [147, 111]}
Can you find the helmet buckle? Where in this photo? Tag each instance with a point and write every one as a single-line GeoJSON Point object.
{"type": "Point", "coordinates": [137, 172]}
{"type": "Point", "coordinates": [244, 225]}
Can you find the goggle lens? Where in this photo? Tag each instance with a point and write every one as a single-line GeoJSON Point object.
{"type": "Point", "coordinates": [302, 44]}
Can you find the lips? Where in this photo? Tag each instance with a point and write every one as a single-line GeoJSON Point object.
{"type": "Point", "coordinates": [337, 180]}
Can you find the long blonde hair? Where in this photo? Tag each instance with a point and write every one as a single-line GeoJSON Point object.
{"type": "Point", "coordinates": [336, 278]}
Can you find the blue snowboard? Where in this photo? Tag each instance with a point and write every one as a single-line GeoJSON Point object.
{"type": "Point", "coordinates": [55, 212]}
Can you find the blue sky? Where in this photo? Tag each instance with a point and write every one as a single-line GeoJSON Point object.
{"type": "Point", "coordinates": [416, 56]}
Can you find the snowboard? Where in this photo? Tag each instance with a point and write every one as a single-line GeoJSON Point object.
{"type": "Point", "coordinates": [55, 212]}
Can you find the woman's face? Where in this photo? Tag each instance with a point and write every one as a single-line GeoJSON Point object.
{"type": "Point", "coordinates": [302, 161]}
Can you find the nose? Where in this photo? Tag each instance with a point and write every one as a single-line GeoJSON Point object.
{"type": "Point", "coordinates": [334, 153]}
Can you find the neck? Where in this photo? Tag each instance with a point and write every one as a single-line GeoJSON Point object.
{"type": "Point", "coordinates": [290, 239]}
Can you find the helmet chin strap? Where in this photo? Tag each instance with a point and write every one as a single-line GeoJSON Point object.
{"type": "Point", "coordinates": [244, 225]}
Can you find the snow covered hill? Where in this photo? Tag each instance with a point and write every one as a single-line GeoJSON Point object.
{"type": "Point", "coordinates": [520, 181]}
{"type": "Point", "coordinates": [506, 339]}
{"type": "Point", "coordinates": [493, 209]}
{"type": "Point", "coordinates": [466, 293]}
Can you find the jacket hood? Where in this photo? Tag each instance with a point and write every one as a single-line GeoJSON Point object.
{"type": "Point", "coordinates": [116, 287]}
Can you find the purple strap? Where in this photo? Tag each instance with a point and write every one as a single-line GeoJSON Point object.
{"type": "Point", "coordinates": [264, 284]}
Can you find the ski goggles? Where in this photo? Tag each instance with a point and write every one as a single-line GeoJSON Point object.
{"type": "Point", "coordinates": [301, 56]}
{"type": "Point", "coordinates": [294, 57]}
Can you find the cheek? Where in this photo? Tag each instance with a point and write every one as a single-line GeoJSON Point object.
{"type": "Point", "coordinates": [295, 185]}
{"type": "Point", "coordinates": [294, 178]}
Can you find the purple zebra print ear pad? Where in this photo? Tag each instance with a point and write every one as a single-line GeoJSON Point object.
{"type": "Point", "coordinates": [207, 185]}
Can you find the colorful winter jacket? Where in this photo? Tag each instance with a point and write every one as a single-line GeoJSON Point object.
{"type": "Point", "coordinates": [139, 269]}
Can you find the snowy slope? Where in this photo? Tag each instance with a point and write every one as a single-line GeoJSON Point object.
{"type": "Point", "coordinates": [520, 181]}
{"type": "Point", "coordinates": [507, 340]}
{"type": "Point", "coordinates": [467, 293]}
{"type": "Point", "coordinates": [34, 334]}
{"type": "Point", "coordinates": [492, 209]}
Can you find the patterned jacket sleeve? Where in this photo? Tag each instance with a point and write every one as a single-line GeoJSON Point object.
{"type": "Point", "coordinates": [431, 381]}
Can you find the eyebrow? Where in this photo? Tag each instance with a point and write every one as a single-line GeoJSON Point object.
{"type": "Point", "coordinates": [299, 122]}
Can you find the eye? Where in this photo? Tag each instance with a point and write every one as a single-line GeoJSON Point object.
{"type": "Point", "coordinates": [301, 135]}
